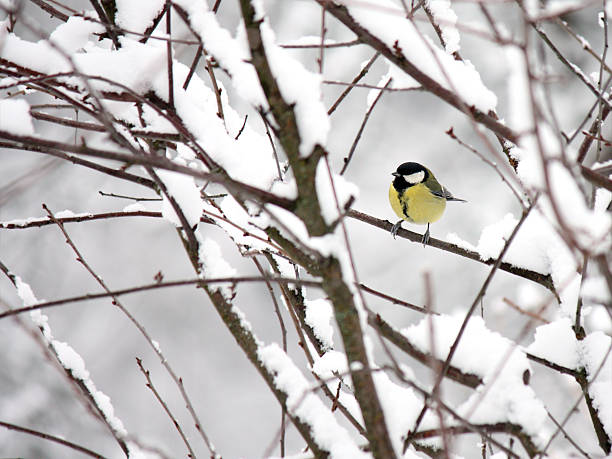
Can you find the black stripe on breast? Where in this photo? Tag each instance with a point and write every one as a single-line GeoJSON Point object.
{"type": "Point", "coordinates": [404, 201]}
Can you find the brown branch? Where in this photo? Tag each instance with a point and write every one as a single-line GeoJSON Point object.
{"type": "Point", "coordinates": [397, 338]}
{"type": "Point", "coordinates": [462, 328]}
{"type": "Point", "coordinates": [45, 436]}
{"type": "Point", "coordinates": [40, 145]}
{"type": "Point", "coordinates": [542, 279]}
{"type": "Point", "coordinates": [118, 173]}
{"type": "Point", "coordinates": [344, 44]}
{"type": "Point", "coordinates": [216, 89]}
{"type": "Point", "coordinates": [308, 209]}
{"type": "Point", "coordinates": [67, 121]}
{"type": "Point", "coordinates": [131, 198]}
{"type": "Point", "coordinates": [395, 300]}
{"type": "Point", "coordinates": [283, 330]}
{"type": "Point", "coordinates": [164, 361]}
{"type": "Point", "coordinates": [427, 396]}
{"type": "Point", "coordinates": [294, 300]}
{"type": "Point", "coordinates": [600, 432]}
{"type": "Point", "coordinates": [307, 204]}
{"type": "Point", "coordinates": [366, 117]}
{"type": "Point", "coordinates": [602, 437]}
{"type": "Point", "coordinates": [552, 365]}
{"type": "Point", "coordinates": [596, 179]}
{"type": "Point", "coordinates": [194, 64]}
{"type": "Point", "coordinates": [149, 30]}
{"type": "Point", "coordinates": [502, 427]}
{"type": "Point", "coordinates": [571, 67]}
{"type": "Point", "coordinates": [352, 84]}
{"type": "Point", "coordinates": [29, 223]}
{"type": "Point", "coordinates": [108, 23]}
{"type": "Point", "coordinates": [342, 14]}
{"type": "Point", "coordinates": [77, 381]}
{"type": "Point", "coordinates": [157, 285]}
{"type": "Point", "coordinates": [295, 303]}
{"type": "Point", "coordinates": [169, 65]}
{"type": "Point", "coordinates": [164, 405]}
{"type": "Point", "coordinates": [51, 10]}
{"type": "Point", "coordinates": [531, 314]}
{"type": "Point", "coordinates": [244, 337]}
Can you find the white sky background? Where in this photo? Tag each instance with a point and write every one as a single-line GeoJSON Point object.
{"type": "Point", "coordinates": [237, 410]}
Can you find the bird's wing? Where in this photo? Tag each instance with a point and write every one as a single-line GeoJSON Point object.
{"type": "Point", "coordinates": [444, 193]}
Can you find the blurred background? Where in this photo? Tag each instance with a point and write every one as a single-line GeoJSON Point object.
{"type": "Point", "coordinates": [237, 410]}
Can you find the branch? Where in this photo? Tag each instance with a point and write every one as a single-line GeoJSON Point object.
{"type": "Point", "coordinates": [37, 223]}
{"type": "Point", "coordinates": [307, 203]}
{"type": "Point", "coordinates": [45, 436]}
{"type": "Point", "coordinates": [108, 22]}
{"type": "Point", "coordinates": [40, 145]}
{"type": "Point", "coordinates": [149, 384]}
{"type": "Point", "coordinates": [468, 314]}
{"type": "Point", "coordinates": [543, 279]}
{"type": "Point", "coordinates": [397, 338]}
{"type": "Point", "coordinates": [51, 10]}
{"type": "Point", "coordinates": [366, 117]}
{"type": "Point", "coordinates": [308, 209]}
{"type": "Point", "coordinates": [118, 173]}
{"type": "Point", "coordinates": [157, 285]}
{"type": "Point", "coordinates": [341, 13]}
{"type": "Point", "coordinates": [502, 427]}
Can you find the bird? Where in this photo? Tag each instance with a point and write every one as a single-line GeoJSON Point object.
{"type": "Point", "coordinates": [416, 196]}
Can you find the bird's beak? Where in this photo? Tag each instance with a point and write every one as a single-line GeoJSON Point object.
{"type": "Point", "coordinates": [395, 174]}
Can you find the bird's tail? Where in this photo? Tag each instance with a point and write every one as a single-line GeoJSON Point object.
{"type": "Point", "coordinates": [449, 196]}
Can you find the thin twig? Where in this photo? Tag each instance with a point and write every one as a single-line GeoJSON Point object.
{"type": "Point", "coordinates": [435, 364]}
{"type": "Point", "coordinates": [131, 198]}
{"type": "Point", "coordinates": [157, 285]}
{"type": "Point", "coordinates": [107, 22]}
{"type": "Point", "coordinates": [531, 314]}
{"type": "Point", "coordinates": [359, 76]}
{"type": "Point", "coordinates": [284, 340]}
{"type": "Point", "coordinates": [574, 407]}
{"type": "Point", "coordinates": [347, 160]}
{"type": "Point", "coordinates": [37, 223]}
{"type": "Point", "coordinates": [568, 437]}
{"type": "Point", "coordinates": [51, 10]}
{"type": "Point", "coordinates": [344, 44]}
{"type": "Point", "coordinates": [371, 86]}
{"type": "Point", "coordinates": [321, 47]}
{"type": "Point", "coordinates": [164, 405]}
{"type": "Point", "coordinates": [271, 140]}
{"type": "Point", "coordinates": [149, 30]}
{"type": "Point", "coordinates": [216, 89]}
{"type": "Point", "coordinates": [395, 300]}
{"type": "Point", "coordinates": [487, 161]}
{"type": "Point", "coordinates": [468, 314]}
{"type": "Point", "coordinates": [194, 64]}
{"type": "Point", "coordinates": [242, 129]}
{"type": "Point", "coordinates": [169, 63]}
{"type": "Point", "coordinates": [46, 436]}
{"type": "Point", "coordinates": [164, 361]}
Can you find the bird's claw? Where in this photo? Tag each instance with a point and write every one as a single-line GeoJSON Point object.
{"type": "Point", "coordinates": [396, 228]}
{"type": "Point", "coordinates": [425, 239]}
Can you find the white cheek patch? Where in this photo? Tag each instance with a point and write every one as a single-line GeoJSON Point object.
{"type": "Point", "coordinates": [415, 178]}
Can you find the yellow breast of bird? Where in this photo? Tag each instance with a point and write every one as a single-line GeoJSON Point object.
{"type": "Point", "coordinates": [416, 204]}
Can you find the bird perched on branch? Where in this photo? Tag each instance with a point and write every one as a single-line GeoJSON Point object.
{"type": "Point", "coordinates": [416, 196]}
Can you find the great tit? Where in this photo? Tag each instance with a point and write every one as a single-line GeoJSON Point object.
{"type": "Point", "coordinates": [416, 196]}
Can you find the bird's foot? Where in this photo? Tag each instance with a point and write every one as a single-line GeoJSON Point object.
{"type": "Point", "coordinates": [396, 228]}
{"type": "Point", "coordinates": [425, 239]}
